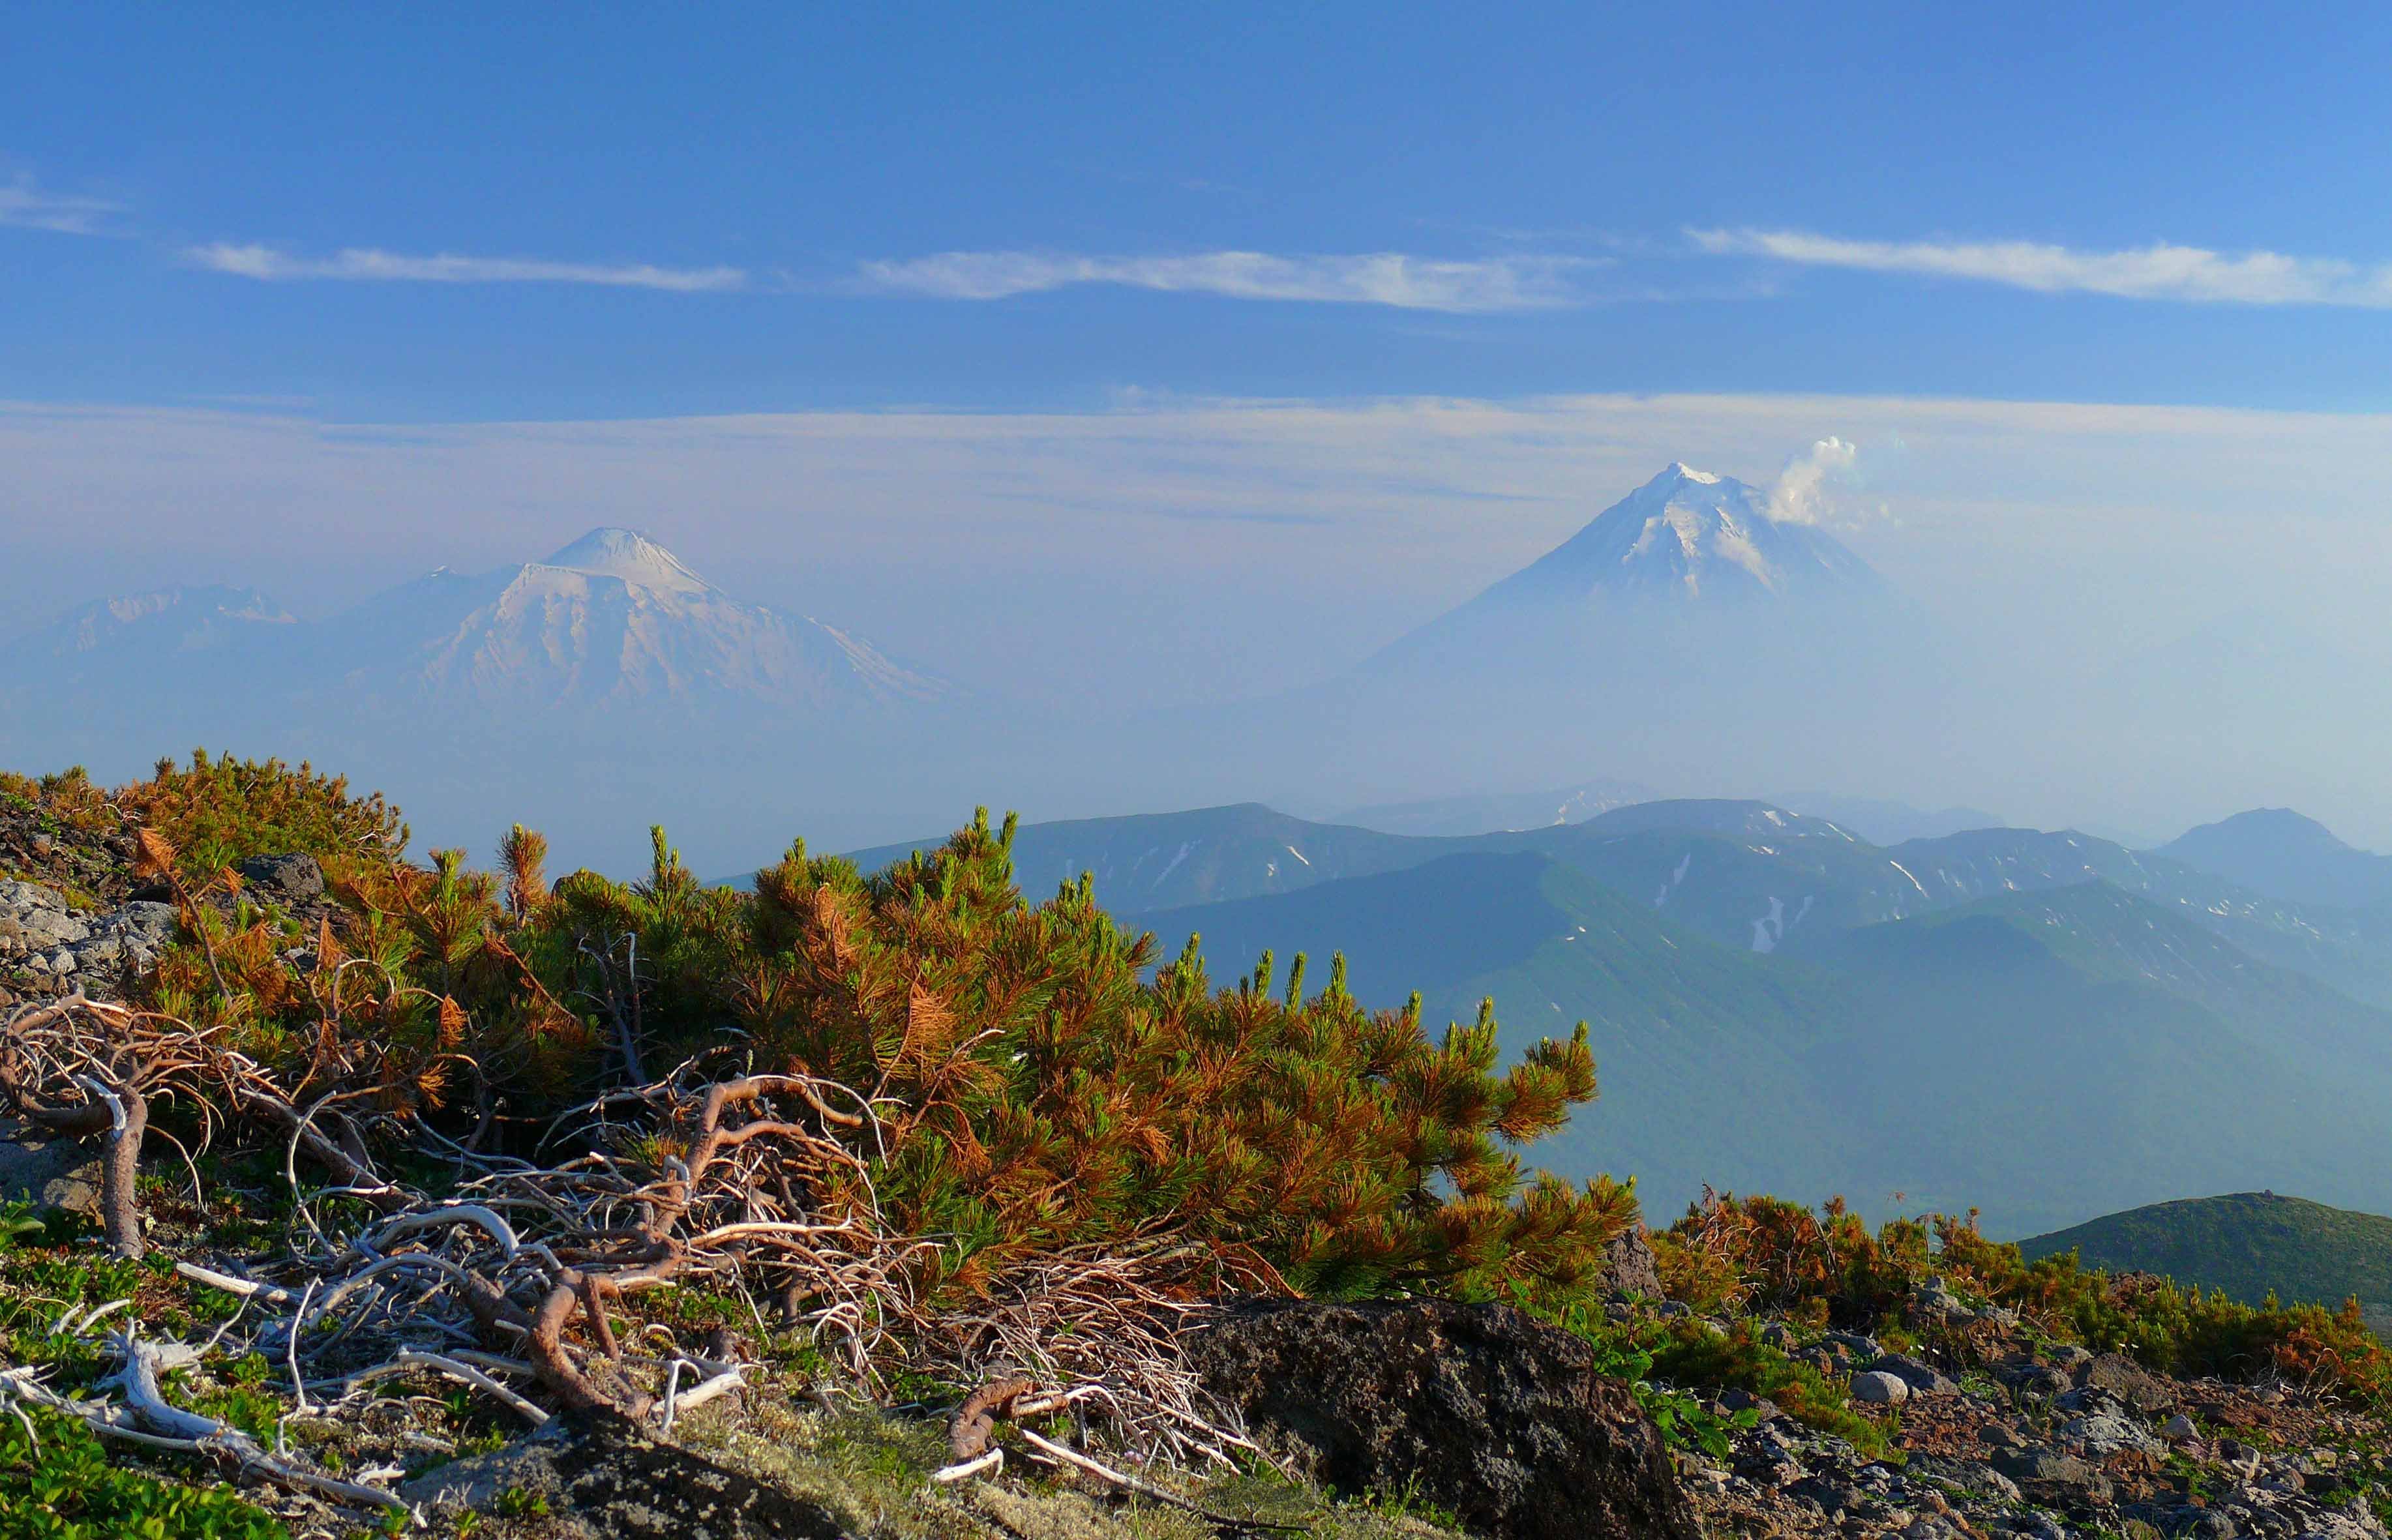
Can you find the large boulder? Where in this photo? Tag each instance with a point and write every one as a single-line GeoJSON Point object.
{"type": "Point", "coordinates": [602, 1477]}
{"type": "Point", "coordinates": [1879, 1388]}
{"type": "Point", "coordinates": [1481, 1410]}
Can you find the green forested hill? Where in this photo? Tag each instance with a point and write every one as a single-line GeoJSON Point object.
{"type": "Point", "coordinates": [2246, 1244]}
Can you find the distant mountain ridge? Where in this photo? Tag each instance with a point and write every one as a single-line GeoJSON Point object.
{"type": "Point", "coordinates": [2276, 851]}
{"type": "Point", "coordinates": [612, 618]}
{"type": "Point", "coordinates": [177, 620]}
{"type": "Point", "coordinates": [2040, 1055]}
{"type": "Point", "coordinates": [1498, 812]}
{"type": "Point", "coordinates": [1744, 874]}
{"type": "Point", "coordinates": [608, 684]}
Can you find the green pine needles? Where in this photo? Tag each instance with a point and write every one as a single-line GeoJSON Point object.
{"type": "Point", "coordinates": [1048, 1087]}
{"type": "Point", "coordinates": [1038, 1084]}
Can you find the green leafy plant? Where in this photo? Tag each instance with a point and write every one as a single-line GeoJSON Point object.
{"type": "Point", "coordinates": [65, 1489]}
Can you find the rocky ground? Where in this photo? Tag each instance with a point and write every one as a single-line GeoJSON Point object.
{"type": "Point", "coordinates": [72, 914]}
{"type": "Point", "coordinates": [2002, 1434]}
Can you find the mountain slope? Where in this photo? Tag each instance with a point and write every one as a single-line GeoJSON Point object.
{"type": "Point", "coordinates": [1507, 810]}
{"type": "Point", "coordinates": [1882, 822]}
{"type": "Point", "coordinates": [1699, 1048]}
{"type": "Point", "coordinates": [1744, 874]}
{"type": "Point", "coordinates": [2278, 852]}
{"type": "Point", "coordinates": [608, 686]}
{"type": "Point", "coordinates": [1149, 861]}
{"type": "Point", "coordinates": [148, 626]}
{"type": "Point", "coordinates": [1686, 534]}
{"type": "Point", "coordinates": [1688, 555]}
{"type": "Point", "coordinates": [2107, 934]}
{"type": "Point", "coordinates": [2037, 1055]}
{"type": "Point", "coordinates": [2248, 1245]}
{"type": "Point", "coordinates": [611, 619]}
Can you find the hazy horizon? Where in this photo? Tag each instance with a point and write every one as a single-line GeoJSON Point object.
{"type": "Point", "coordinates": [1145, 440]}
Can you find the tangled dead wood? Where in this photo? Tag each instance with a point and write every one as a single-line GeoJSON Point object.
{"type": "Point", "coordinates": [757, 1187]}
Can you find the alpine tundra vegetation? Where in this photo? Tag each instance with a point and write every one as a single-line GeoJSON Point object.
{"type": "Point", "coordinates": [894, 1202]}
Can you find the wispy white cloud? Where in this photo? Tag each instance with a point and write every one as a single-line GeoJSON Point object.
{"type": "Point", "coordinates": [367, 264]}
{"type": "Point", "coordinates": [1469, 286]}
{"type": "Point", "coordinates": [27, 207]}
{"type": "Point", "coordinates": [2156, 272]}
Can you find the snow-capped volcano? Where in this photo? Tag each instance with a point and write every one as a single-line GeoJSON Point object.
{"type": "Point", "coordinates": [1691, 533]}
{"type": "Point", "coordinates": [1689, 556]}
{"type": "Point", "coordinates": [630, 555]}
{"type": "Point", "coordinates": [615, 617]}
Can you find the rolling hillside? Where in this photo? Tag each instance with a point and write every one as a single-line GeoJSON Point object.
{"type": "Point", "coordinates": [2247, 1245]}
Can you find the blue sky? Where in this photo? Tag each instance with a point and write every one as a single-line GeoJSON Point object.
{"type": "Point", "coordinates": [1144, 352]}
{"type": "Point", "coordinates": [657, 212]}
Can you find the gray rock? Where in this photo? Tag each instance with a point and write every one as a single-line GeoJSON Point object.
{"type": "Point", "coordinates": [43, 927]}
{"type": "Point", "coordinates": [1877, 1388]}
{"type": "Point", "coordinates": [2051, 1477]}
{"type": "Point", "coordinates": [2102, 1434]}
{"type": "Point", "coordinates": [61, 1173]}
{"type": "Point", "coordinates": [139, 923]}
{"type": "Point", "coordinates": [290, 878]}
{"type": "Point", "coordinates": [1924, 1378]}
{"type": "Point", "coordinates": [606, 1479]}
{"type": "Point", "coordinates": [2126, 1379]}
{"type": "Point", "coordinates": [1961, 1479]}
{"type": "Point", "coordinates": [1483, 1411]}
{"type": "Point", "coordinates": [1934, 1300]}
{"type": "Point", "coordinates": [1630, 1268]}
{"type": "Point", "coordinates": [2029, 1378]}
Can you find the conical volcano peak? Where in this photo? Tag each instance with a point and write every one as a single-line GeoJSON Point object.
{"type": "Point", "coordinates": [627, 555]}
{"type": "Point", "coordinates": [1680, 470]}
